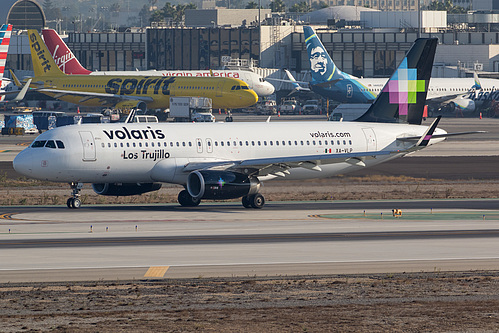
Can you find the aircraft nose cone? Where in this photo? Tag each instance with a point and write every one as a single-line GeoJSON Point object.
{"type": "Point", "coordinates": [23, 164]}
{"type": "Point", "coordinates": [270, 89]}
{"type": "Point", "coordinates": [250, 97]}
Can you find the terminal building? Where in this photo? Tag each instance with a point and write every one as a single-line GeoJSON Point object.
{"type": "Point", "coordinates": [367, 43]}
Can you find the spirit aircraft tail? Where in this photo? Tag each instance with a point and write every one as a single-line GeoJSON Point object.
{"type": "Point", "coordinates": [61, 53]}
{"type": "Point", "coordinates": [404, 95]}
{"type": "Point", "coordinates": [322, 66]}
{"type": "Point", "coordinates": [43, 63]}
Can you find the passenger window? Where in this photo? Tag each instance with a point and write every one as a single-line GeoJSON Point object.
{"type": "Point", "coordinates": [121, 144]}
{"type": "Point", "coordinates": [60, 144]}
{"type": "Point", "coordinates": [178, 144]}
{"type": "Point", "coordinates": [252, 143]}
{"type": "Point", "coordinates": [183, 144]}
{"type": "Point", "coordinates": [115, 145]}
{"type": "Point", "coordinates": [313, 142]}
{"type": "Point", "coordinates": [171, 144]}
{"type": "Point", "coordinates": [264, 143]}
{"type": "Point", "coordinates": [296, 143]}
{"type": "Point", "coordinates": [103, 145]}
{"type": "Point", "coordinates": [247, 143]}
{"type": "Point", "coordinates": [133, 144]}
{"type": "Point", "coordinates": [259, 143]}
{"type": "Point", "coordinates": [128, 144]}
{"type": "Point", "coordinates": [228, 143]}
{"type": "Point", "coordinates": [350, 142]}
{"type": "Point", "coordinates": [320, 142]}
{"type": "Point", "coordinates": [109, 144]}
{"type": "Point", "coordinates": [221, 143]}
{"type": "Point", "coordinates": [338, 142]}
{"type": "Point", "coordinates": [344, 142]}
{"type": "Point", "coordinates": [216, 143]}
{"type": "Point", "coordinates": [140, 144]}
{"type": "Point", "coordinates": [301, 143]}
{"type": "Point", "coordinates": [38, 144]}
{"type": "Point", "coordinates": [276, 143]}
{"type": "Point", "coordinates": [199, 143]}
{"type": "Point", "coordinates": [50, 144]}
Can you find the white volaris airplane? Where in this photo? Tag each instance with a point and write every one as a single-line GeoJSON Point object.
{"type": "Point", "coordinates": [68, 63]}
{"type": "Point", "coordinates": [230, 160]}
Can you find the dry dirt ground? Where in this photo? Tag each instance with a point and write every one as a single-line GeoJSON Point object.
{"type": "Point", "coordinates": [30, 192]}
{"type": "Point", "coordinates": [421, 302]}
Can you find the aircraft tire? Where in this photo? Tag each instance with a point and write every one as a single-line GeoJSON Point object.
{"type": "Point", "coordinates": [257, 201]}
{"type": "Point", "coordinates": [246, 202]}
{"type": "Point", "coordinates": [69, 202]}
{"type": "Point", "coordinates": [76, 203]}
{"type": "Point", "coordinates": [186, 200]}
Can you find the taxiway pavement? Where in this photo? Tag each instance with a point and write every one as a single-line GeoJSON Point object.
{"type": "Point", "coordinates": [95, 243]}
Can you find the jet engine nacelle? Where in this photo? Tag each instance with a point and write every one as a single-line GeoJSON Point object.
{"type": "Point", "coordinates": [131, 104]}
{"type": "Point", "coordinates": [125, 189]}
{"type": "Point", "coordinates": [462, 104]}
{"type": "Point", "coordinates": [219, 185]}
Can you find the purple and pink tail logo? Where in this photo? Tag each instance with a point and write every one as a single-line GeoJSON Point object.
{"type": "Point", "coordinates": [404, 86]}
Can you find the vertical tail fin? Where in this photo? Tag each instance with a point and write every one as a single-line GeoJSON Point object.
{"type": "Point", "coordinates": [404, 96]}
{"type": "Point", "coordinates": [5, 32]}
{"type": "Point", "coordinates": [322, 66]}
{"type": "Point", "coordinates": [61, 53]}
{"type": "Point", "coordinates": [43, 63]}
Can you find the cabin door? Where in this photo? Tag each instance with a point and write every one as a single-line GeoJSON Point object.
{"type": "Point", "coordinates": [370, 139]}
{"type": "Point", "coordinates": [88, 143]}
{"type": "Point", "coordinates": [220, 85]}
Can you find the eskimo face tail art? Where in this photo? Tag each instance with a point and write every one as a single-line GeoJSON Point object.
{"type": "Point", "coordinates": [404, 96]}
{"type": "Point", "coordinates": [327, 79]}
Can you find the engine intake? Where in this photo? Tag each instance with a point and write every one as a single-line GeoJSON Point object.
{"type": "Point", "coordinates": [219, 185]}
{"type": "Point", "coordinates": [125, 189]}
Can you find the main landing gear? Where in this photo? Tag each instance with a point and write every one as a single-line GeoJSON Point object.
{"type": "Point", "coordinates": [186, 200]}
{"type": "Point", "coordinates": [74, 202]}
{"type": "Point", "coordinates": [251, 201]}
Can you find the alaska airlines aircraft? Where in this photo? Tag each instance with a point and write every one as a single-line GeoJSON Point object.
{"type": "Point", "coordinates": [68, 63]}
{"type": "Point", "coordinates": [129, 92]}
{"type": "Point", "coordinates": [329, 81]}
{"type": "Point", "coordinates": [220, 161]}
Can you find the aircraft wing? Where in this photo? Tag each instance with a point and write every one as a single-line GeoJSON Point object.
{"type": "Point", "coordinates": [279, 166]}
{"type": "Point", "coordinates": [85, 95]}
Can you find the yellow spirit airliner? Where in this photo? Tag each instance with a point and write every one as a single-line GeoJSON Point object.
{"type": "Point", "coordinates": [128, 92]}
{"type": "Point", "coordinates": [219, 161]}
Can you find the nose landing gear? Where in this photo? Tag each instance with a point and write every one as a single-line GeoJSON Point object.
{"type": "Point", "coordinates": [74, 202]}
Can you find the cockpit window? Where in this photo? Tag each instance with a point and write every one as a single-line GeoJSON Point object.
{"type": "Point", "coordinates": [38, 144]}
{"type": "Point", "coordinates": [60, 144]}
{"type": "Point", "coordinates": [50, 144]}
{"type": "Point", "coordinates": [245, 87]}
